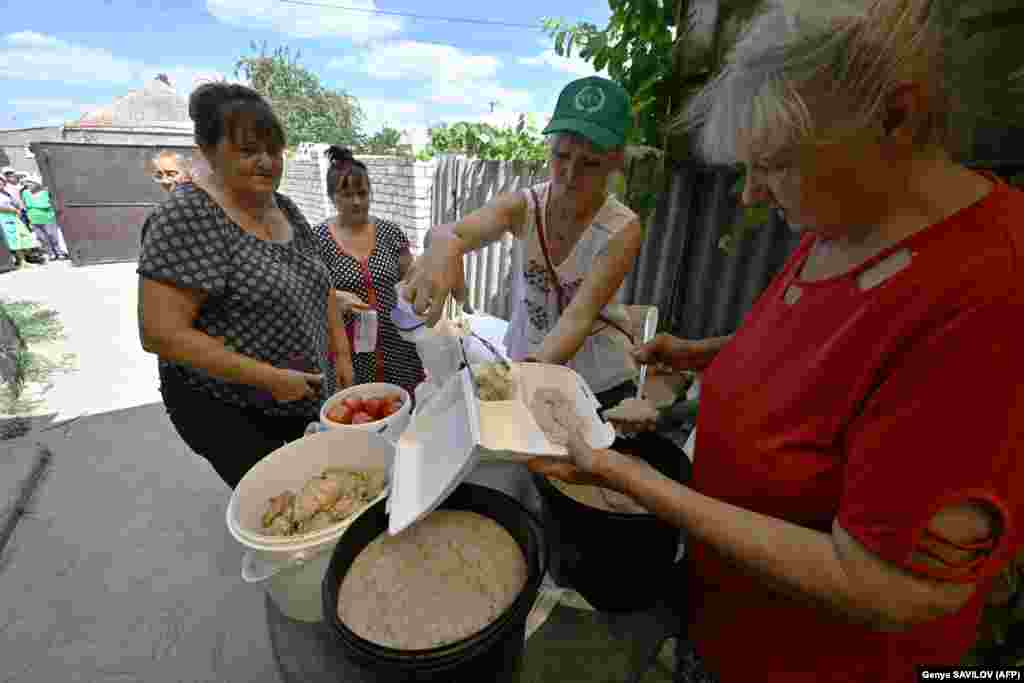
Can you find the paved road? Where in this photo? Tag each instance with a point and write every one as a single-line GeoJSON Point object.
{"type": "Point", "coordinates": [124, 569]}
{"type": "Point", "coordinates": [97, 305]}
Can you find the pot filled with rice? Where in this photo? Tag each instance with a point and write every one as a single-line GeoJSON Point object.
{"type": "Point", "coordinates": [444, 600]}
{"type": "Point", "coordinates": [607, 547]}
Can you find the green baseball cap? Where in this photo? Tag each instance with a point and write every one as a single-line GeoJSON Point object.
{"type": "Point", "coordinates": [597, 109]}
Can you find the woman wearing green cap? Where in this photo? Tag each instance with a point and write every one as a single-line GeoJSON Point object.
{"type": "Point", "coordinates": [576, 241]}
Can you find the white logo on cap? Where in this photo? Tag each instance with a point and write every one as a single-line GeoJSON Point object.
{"type": "Point", "coordinates": [590, 99]}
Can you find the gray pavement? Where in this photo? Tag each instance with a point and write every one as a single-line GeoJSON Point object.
{"type": "Point", "coordinates": [124, 570]}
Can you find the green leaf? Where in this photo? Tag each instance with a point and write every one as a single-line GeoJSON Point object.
{"type": "Point", "coordinates": [740, 185]}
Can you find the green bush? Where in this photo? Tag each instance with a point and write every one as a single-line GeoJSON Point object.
{"type": "Point", "coordinates": [522, 142]}
{"type": "Point", "coordinates": [35, 325]}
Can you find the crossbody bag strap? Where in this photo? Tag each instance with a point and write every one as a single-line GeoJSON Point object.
{"type": "Point", "coordinates": [371, 297]}
{"type": "Point", "coordinates": [555, 280]}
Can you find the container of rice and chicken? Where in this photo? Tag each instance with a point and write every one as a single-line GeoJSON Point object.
{"type": "Point", "coordinates": [291, 508]}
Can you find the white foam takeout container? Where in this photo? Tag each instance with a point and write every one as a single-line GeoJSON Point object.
{"type": "Point", "coordinates": [453, 431]}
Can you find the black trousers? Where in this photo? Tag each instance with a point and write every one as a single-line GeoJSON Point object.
{"type": "Point", "coordinates": [230, 438]}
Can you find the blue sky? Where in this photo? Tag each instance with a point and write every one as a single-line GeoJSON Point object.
{"type": "Point", "coordinates": [58, 59]}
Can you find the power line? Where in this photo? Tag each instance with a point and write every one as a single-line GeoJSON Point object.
{"type": "Point", "coordinates": [409, 15]}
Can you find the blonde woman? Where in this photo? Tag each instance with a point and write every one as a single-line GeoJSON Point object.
{"type": "Point", "coordinates": [857, 480]}
{"type": "Point", "coordinates": [577, 242]}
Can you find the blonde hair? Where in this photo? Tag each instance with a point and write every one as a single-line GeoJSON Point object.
{"type": "Point", "coordinates": [817, 70]}
{"type": "Point", "coordinates": [554, 139]}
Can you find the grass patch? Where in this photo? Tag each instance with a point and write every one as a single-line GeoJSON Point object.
{"type": "Point", "coordinates": [36, 326]}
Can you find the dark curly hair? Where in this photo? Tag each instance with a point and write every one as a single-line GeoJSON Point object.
{"type": "Point", "coordinates": [342, 167]}
{"type": "Point", "coordinates": [229, 109]}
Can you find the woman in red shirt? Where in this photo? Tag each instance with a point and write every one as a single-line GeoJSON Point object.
{"type": "Point", "coordinates": [857, 480]}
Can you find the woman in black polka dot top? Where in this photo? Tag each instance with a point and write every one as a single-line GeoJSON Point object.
{"type": "Point", "coordinates": [366, 257]}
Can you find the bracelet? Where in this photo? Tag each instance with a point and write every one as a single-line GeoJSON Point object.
{"type": "Point", "coordinates": [331, 356]}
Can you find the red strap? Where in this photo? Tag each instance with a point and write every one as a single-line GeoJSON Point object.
{"type": "Point", "coordinates": [557, 281]}
{"type": "Point", "coordinates": [371, 296]}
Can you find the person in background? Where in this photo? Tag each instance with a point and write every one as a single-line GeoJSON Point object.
{"type": "Point", "coordinates": [367, 257]}
{"type": "Point", "coordinates": [171, 169]}
{"type": "Point", "coordinates": [10, 185]}
{"type": "Point", "coordinates": [18, 236]}
{"type": "Point", "coordinates": [234, 297]}
{"type": "Point", "coordinates": [578, 244]}
{"type": "Point", "coordinates": [43, 218]}
{"type": "Point", "coordinates": [857, 480]}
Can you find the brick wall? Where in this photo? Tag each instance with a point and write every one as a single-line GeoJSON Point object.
{"type": "Point", "coordinates": [401, 191]}
{"type": "Point", "coordinates": [303, 183]}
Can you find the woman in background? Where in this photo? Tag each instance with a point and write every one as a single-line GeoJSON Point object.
{"type": "Point", "coordinates": [18, 236]}
{"type": "Point", "coordinates": [367, 257]}
{"type": "Point", "coordinates": [43, 218]}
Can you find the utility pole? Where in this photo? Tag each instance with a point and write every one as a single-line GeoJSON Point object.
{"type": "Point", "coordinates": [492, 106]}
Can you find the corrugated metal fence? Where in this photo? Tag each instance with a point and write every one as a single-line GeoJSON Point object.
{"type": "Point", "coordinates": [699, 289]}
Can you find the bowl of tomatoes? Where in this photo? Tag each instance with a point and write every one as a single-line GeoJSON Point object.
{"type": "Point", "coordinates": [379, 407]}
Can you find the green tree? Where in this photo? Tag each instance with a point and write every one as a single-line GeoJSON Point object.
{"type": "Point", "coordinates": [522, 142]}
{"type": "Point", "coordinates": [384, 141]}
{"type": "Point", "coordinates": [310, 111]}
{"type": "Point", "coordinates": [654, 50]}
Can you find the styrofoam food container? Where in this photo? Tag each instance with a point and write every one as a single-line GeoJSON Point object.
{"type": "Point", "coordinates": [292, 568]}
{"type": "Point", "coordinates": [454, 431]}
{"type": "Point", "coordinates": [510, 426]}
{"type": "Point", "coordinates": [390, 427]}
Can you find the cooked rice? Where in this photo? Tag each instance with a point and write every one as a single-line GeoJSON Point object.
{"type": "Point", "coordinates": [438, 582]}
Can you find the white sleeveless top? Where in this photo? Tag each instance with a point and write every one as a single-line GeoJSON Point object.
{"type": "Point", "coordinates": [603, 360]}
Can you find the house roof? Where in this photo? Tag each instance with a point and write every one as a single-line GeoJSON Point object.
{"type": "Point", "coordinates": [157, 105]}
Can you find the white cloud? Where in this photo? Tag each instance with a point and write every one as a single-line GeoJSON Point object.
{"type": "Point", "coordinates": [449, 76]}
{"type": "Point", "coordinates": [500, 119]}
{"type": "Point", "coordinates": [412, 59]}
{"type": "Point", "coordinates": [32, 56]}
{"type": "Point", "coordinates": [480, 94]}
{"type": "Point", "coordinates": [574, 66]}
{"type": "Point", "coordinates": [307, 21]}
{"type": "Point", "coordinates": [399, 114]}
{"type": "Point", "coordinates": [42, 111]}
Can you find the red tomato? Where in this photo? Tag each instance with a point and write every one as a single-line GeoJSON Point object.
{"type": "Point", "coordinates": [340, 414]}
{"type": "Point", "coordinates": [353, 404]}
{"type": "Point", "coordinates": [362, 418]}
{"type": "Point", "coordinates": [387, 408]}
{"type": "Point", "coordinates": [372, 406]}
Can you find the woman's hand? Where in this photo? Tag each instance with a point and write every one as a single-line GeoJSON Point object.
{"type": "Point", "coordinates": [587, 466]}
{"type": "Point", "coordinates": [343, 373]}
{"type": "Point", "coordinates": [292, 385]}
{"type": "Point", "coordinates": [349, 302]}
{"type": "Point", "coordinates": [680, 354]}
{"type": "Point", "coordinates": [435, 274]}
